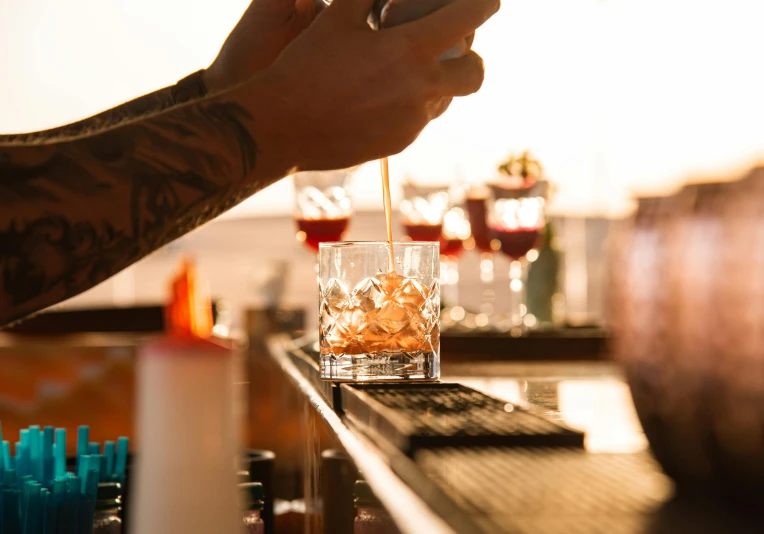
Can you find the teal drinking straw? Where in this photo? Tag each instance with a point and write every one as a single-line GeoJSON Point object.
{"type": "Point", "coordinates": [108, 452]}
{"type": "Point", "coordinates": [35, 454]}
{"type": "Point", "coordinates": [91, 492]}
{"type": "Point", "coordinates": [103, 474]}
{"type": "Point", "coordinates": [22, 455]}
{"type": "Point", "coordinates": [59, 505]}
{"type": "Point", "coordinates": [11, 512]}
{"type": "Point", "coordinates": [121, 464]}
{"type": "Point", "coordinates": [47, 456]}
{"type": "Point", "coordinates": [73, 498]}
{"type": "Point", "coordinates": [7, 460]}
{"type": "Point", "coordinates": [60, 452]}
{"type": "Point", "coordinates": [31, 516]}
{"type": "Point", "coordinates": [82, 471]}
{"type": "Point", "coordinates": [9, 478]}
{"type": "Point", "coordinates": [38, 495]}
{"type": "Point", "coordinates": [48, 519]}
{"type": "Point", "coordinates": [83, 433]}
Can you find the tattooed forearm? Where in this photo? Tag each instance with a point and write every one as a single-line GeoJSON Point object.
{"type": "Point", "coordinates": [144, 105]}
{"type": "Point", "coordinates": [74, 213]}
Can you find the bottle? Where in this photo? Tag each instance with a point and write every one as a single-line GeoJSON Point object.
{"type": "Point", "coordinates": [106, 519]}
{"type": "Point", "coordinates": [253, 496]}
{"type": "Point", "coordinates": [260, 464]}
{"type": "Point", "coordinates": [544, 279]}
{"type": "Point", "coordinates": [186, 474]}
{"type": "Point", "coordinates": [370, 517]}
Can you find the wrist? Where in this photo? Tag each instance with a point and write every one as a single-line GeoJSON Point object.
{"type": "Point", "coordinates": [192, 87]}
{"type": "Point", "coordinates": [262, 98]}
{"type": "Point", "coordinates": [211, 80]}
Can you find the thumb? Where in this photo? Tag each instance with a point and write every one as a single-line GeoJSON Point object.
{"type": "Point", "coordinates": [353, 10]}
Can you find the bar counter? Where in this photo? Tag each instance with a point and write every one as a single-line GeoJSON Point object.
{"type": "Point", "coordinates": [569, 457]}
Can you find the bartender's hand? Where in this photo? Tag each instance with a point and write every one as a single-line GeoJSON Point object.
{"type": "Point", "coordinates": [263, 32]}
{"type": "Point", "coordinates": [342, 94]}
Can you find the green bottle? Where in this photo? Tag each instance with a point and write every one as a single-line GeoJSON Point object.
{"type": "Point", "coordinates": [543, 279]}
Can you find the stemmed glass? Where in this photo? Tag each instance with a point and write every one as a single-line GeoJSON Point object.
{"type": "Point", "coordinates": [456, 229]}
{"type": "Point", "coordinates": [322, 206]}
{"type": "Point", "coordinates": [478, 199]}
{"type": "Point", "coordinates": [422, 210]}
{"type": "Point", "coordinates": [516, 218]}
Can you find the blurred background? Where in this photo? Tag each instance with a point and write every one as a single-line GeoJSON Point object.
{"type": "Point", "coordinates": [616, 99]}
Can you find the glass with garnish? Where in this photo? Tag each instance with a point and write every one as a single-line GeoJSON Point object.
{"type": "Point", "coordinates": [516, 218]}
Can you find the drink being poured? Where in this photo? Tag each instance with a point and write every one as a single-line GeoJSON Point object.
{"type": "Point", "coordinates": [388, 205]}
{"type": "Point", "coordinates": [374, 323]}
{"type": "Point", "coordinates": [380, 302]}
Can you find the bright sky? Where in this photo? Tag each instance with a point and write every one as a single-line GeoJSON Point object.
{"type": "Point", "coordinates": [613, 96]}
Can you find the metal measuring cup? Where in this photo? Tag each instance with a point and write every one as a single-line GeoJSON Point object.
{"type": "Point", "coordinates": [389, 13]}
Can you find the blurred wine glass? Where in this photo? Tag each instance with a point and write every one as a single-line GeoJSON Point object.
{"type": "Point", "coordinates": [323, 206]}
{"type": "Point", "coordinates": [477, 201]}
{"type": "Point", "coordinates": [456, 230]}
{"type": "Point", "coordinates": [516, 218]}
{"type": "Point", "coordinates": [422, 211]}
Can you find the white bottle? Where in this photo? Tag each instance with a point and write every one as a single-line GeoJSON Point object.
{"type": "Point", "coordinates": [186, 475]}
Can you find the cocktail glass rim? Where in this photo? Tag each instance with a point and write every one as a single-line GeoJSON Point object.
{"type": "Point", "coordinates": [337, 244]}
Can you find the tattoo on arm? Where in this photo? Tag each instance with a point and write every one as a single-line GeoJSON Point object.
{"type": "Point", "coordinates": [76, 212]}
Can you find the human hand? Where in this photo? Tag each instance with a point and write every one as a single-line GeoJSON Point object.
{"type": "Point", "coordinates": [342, 94]}
{"type": "Point", "coordinates": [262, 33]}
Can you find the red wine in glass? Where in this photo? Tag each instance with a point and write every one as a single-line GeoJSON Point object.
{"type": "Point", "coordinates": [451, 247]}
{"type": "Point", "coordinates": [516, 242]}
{"type": "Point", "coordinates": [476, 212]}
{"type": "Point", "coordinates": [423, 231]}
{"type": "Point", "coordinates": [321, 230]}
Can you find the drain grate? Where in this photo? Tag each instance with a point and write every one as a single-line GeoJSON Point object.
{"type": "Point", "coordinates": [414, 416]}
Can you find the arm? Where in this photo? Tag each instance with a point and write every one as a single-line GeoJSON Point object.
{"type": "Point", "coordinates": [81, 203]}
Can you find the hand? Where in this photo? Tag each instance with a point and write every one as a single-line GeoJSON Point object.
{"type": "Point", "coordinates": [265, 29]}
{"type": "Point", "coordinates": [342, 94]}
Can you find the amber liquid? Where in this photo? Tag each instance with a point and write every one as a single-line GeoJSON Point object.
{"type": "Point", "coordinates": [389, 326]}
{"type": "Point", "coordinates": [321, 230]}
{"type": "Point", "coordinates": [388, 213]}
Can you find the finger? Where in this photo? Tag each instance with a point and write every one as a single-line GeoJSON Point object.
{"type": "Point", "coordinates": [462, 76]}
{"type": "Point", "coordinates": [272, 8]}
{"type": "Point", "coordinates": [438, 108]}
{"type": "Point", "coordinates": [355, 10]}
{"type": "Point", "coordinates": [447, 26]}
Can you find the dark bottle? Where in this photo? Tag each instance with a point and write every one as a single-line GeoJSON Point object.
{"type": "Point", "coordinates": [253, 497]}
{"type": "Point", "coordinates": [371, 517]}
{"type": "Point", "coordinates": [106, 519]}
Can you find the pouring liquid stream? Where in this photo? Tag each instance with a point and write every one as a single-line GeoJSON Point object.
{"type": "Point", "coordinates": [388, 215]}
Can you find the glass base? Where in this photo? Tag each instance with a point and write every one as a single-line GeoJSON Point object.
{"type": "Point", "coordinates": [382, 367]}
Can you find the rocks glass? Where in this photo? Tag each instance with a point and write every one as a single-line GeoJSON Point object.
{"type": "Point", "coordinates": [375, 325]}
